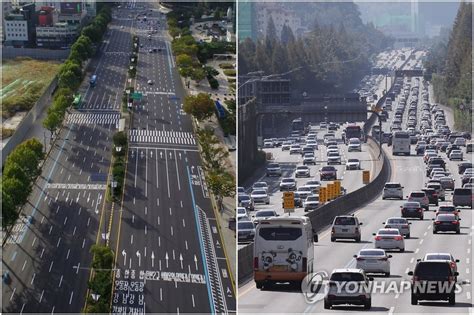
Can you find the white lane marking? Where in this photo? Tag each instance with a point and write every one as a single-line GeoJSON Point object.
{"type": "Point", "coordinates": [421, 241]}
{"type": "Point", "coordinates": [167, 174]}
{"type": "Point", "coordinates": [60, 281]}
{"type": "Point", "coordinates": [171, 230]}
{"type": "Point", "coordinates": [41, 297]}
{"type": "Point", "coordinates": [34, 241]}
{"type": "Point", "coordinates": [192, 297]}
{"type": "Point", "coordinates": [467, 270]}
{"type": "Point", "coordinates": [131, 239]}
{"type": "Point", "coordinates": [417, 250]}
{"type": "Point", "coordinates": [11, 296]}
{"type": "Point", "coordinates": [406, 270]}
{"type": "Point", "coordinates": [59, 241]}
{"type": "Point", "coordinates": [468, 295]}
{"type": "Point", "coordinates": [24, 264]}
{"type": "Point", "coordinates": [424, 234]}
{"type": "Point", "coordinates": [67, 255]}
{"type": "Point", "coordinates": [412, 260]}
{"type": "Point", "coordinates": [70, 299]}
{"type": "Point", "coordinates": [33, 278]}
{"type": "Point", "coordinates": [51, 266]}
{"type": "Point", "coordinates": [42, 252]}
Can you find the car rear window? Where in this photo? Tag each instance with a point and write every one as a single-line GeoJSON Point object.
{"type": "Point", "coordinates": [345, 221]}
{"type": "Point", "coordinates": [245, 225]}
{"type": "Point", "coordinates": [327, 168]}
{"type": "Point", "coordinates": [273, 165]}
{"type": "Point", "coordinates": [280, 233]}
{"type": "Point", "coordinates": [265, 214]}
{"type": "Point", "coordinates": [446, 217]}
{"type": "Point", "coordinates": [418, 194]}
{"type": "Point", "coordinates": [389, 232]}
{"type": "Point", "coordinates": [397, 221]}
{"type": "Point", "coordinates": [347, 276]}
{"type": "Point", "coordinates": [446, 208]}
{"type": "Point", "coordinates": [371, 253]}
{"type": "Point", "coordinates": [438, 257]}
{"type": "Point", "coordinates": [463, 191]}
{"type": "Point", "coordinates": [392, 186]}
{"type": "Point", "coordinates": [433, 269]}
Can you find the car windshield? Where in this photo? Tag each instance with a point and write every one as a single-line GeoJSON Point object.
{"type": "Point", "coordinates": [312, 182]}
{"type": "Point", "coordinates": [243, 197]}
{"type": "Point", "coordinates": [371, 252]}
{"type": "Point", "coordinates": [302, 168]}
{"type": "Point", "coordinates": [345, 221]}
{"type": "Point", "coordinates": [353, 160]}
{"type": "Point", "coordinates": [438, 257]}
{"type": "Point", "coordinates": [304, 189]}
{"type": "Point", "coordinates": [312, 198]}
{"type": "Point", "coordinates": [273, 165]}
{"type": "Point", "coordinates": [463, 191]}
{"type": "Point", "coordinates": [265, 214]}
{"type": "Point", "coordinates": [389, 185]}
{"type": "Point", "coordinates": [241, 210]}
{"type": "Point", "coordinates": [347, 276]}
{"type": "Point", "coordinates": [333, 154]}
{"type": "Point", "coordinates": [245, 225]}
{"type": "Point", "coordinates": [327, 168]}
{"type": "Point", "coordinates": [287, 180]}
{"type": "Point", "coordinates": [411, 204]}
{"type": "Point", "coordinates": [259, 192]}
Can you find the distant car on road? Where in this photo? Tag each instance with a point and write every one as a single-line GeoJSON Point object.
{"type": "Point", "coordinates": [446, 223]}
{"type": "Point", "coordinates": [328, 173]}
{"type": "Point", "coordinates": [389, 239]}
{"type": "Point", "coordinates": [273, 169]}
{"type": "Point", "coordinates": [353, 164]}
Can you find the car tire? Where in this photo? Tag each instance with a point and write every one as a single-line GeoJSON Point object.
{"type": "Point", "coordinates": [408, 235]}
{"type": "Point", "coordinates": [259, 284]}
{"type": "Point", "coordinates": [333, 239]}
{"type": "Point", "coordinates": [383, 198]}
{"type": "Point", "coordinates": [368, 304]}
{"type": "Point", "coordinates": [458, 232]}
{"type": "Point", "coordinates": [327, 305]}
{"type": "Point", "coordinates": [434, 231]}
{"type": "Point", "coordinates": [402, 250]}
{"type": "Point", "coordinates": [421, 218]}
{"type": "Point", "coordinates": [357, 239]}
{"type": "Point", "coordinates": [387, 274]}
{"type": "Point", "coordinates": [452, 299]}
{"type": "Point", "coordinates": [414, 300]}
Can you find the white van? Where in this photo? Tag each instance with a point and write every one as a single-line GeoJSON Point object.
{"type": "Point", "coordinates": [283, 250]}
{"type": "Point", "coordinates": [401, 143]}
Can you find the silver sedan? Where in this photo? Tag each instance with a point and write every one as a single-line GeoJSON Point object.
{"type": "Point", "coordinates": [399, 223]}
{"type": "Point", "coordinates": [373, 261]}
{"type": "Point", "coordinates": [389, 239]}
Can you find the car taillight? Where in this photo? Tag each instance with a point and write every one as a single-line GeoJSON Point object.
{"type": "Point", "coordinates": [398, 238]}
{"type": "Point", "coordinates": [419, 209]}
{"type": "Point", "coordinates": [455, 222]}
{"type": "Point", "coordinates": [255, 263]}
{"type": "Point", "coordinates": [383, 259]}
{"type": "Point", "coordinates": [453, 265]}
{"type": "Point", "coordinates": [333, 231]}
{"type": "Point", "coordinates": [415, 279]}
{"type": "Point", "coordinates": [437, 222]}
{"type": "Point", "coordinates": [378, 238]}
{"type": "Point", "coordinates": [357, 229]}
{"type": "Point", "coordinates": [450, 279]}
{"type": "Point", "coordinates": [359, 258]}
{"type": "Point", "coordinates": [435, 195]}
{"type": "Point", "coordinates": [305, 264]}
{"type": "Point", "coordinates": [387, 226]}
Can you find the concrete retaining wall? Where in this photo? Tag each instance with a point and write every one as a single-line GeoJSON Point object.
{"type": "Point", "coordinates": [324, 216]}
{"type": "Point", "coordinates": [35, 53]}
{"type": "Point", "coordinates": [28, 121]}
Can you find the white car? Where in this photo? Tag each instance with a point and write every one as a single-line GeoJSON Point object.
{"type": "Point", "coordinates": [268, 144]}
{"type": "Point", "coordinates": [373, 261]}
{"type": "Point", "coordinates": [302, 171]}
{"type": "Point", "coordinates": [460, 142]}
{"type": "Point", "coordinates": [353, 164]}
{"type": "Point", "coordinates": [150, 82]}
{"type": "Point", "coordinates": [399, 223]}
{"type": "Point", "coordinates": [242, 214]}
{"type": "Point", "coordinates": [309, 159]}
{"type": "Point", "coordinates": [264, 214]}
{"type": "Point", "coordinates": [260, 196]}
{"type": "Point", "coordinates": [304, 191]}
{"type": "Point", "coordinates": [393, 190]}
{"type": "Point", "coordinates": [389, 239]}
{"type": "Point", "coordinates": [312, 144]}
{"type": "Point", "coordinates": [295, 149]}
{"type": "Point", "coordinates": [354, 145]}
{"type": "Point", "coordinates": [311, 203]}
{"type": "Point", "coordinates": [286, 146]}
{"type": "Point", "coordinates": [260, 185]}
{"type": "Point", "coordinates": [287, 184]}
{"type": "Point", "coordinates": [314, 185]}
{"type": "Point", "coordinates": [334, 158]}
{"type": "Point", "coordinates": [357, 293]}
{"type": "Point", "coordinates": [456, 155]}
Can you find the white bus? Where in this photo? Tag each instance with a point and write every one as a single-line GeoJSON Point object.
{"type": "Point", "coordinates": [401, 143]}
{"type": "Point", "coordinates": [283, 250]}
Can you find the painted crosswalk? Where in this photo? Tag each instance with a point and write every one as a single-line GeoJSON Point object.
{"type": "Point", "coordinates": [160, 136]}
{"type": "Point", "coordinates": [94, 118]}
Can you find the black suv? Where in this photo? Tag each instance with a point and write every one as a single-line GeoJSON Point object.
{"type": "Point", "coordinates": [462, 167]}
{"type": "Point", "coordinates": [433, 280]}
{"type": "Point", "coordinates": [432, 195]}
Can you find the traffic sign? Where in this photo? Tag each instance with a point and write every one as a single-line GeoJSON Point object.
{"type": "Point", "coordinates": [136, 96]}
{"type": "Point", "coordinates": [323, 194]}
{"type": "Point", "coordinates": [288, 200]}
{"type": "Point", "coordinates": [330, 191]}
{"type": "Point", "coordinates": [337, 186]}
{"type": "Point", "coordinates": [365, 177]}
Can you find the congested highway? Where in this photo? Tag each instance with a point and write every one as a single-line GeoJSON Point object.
{"type": "Point", "coordinates": [170, 255]}
{"type": "Point", "coordinates": [393, 294]}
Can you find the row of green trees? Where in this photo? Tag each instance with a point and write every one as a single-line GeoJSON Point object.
{"type": "Point", "coordinates": [450, 61]}
{"type": "Point", "coordinates": [70, 74]}
{"type": "Point", "coordinates": [101, 284]}
{"type": "Point", "coordinates": [19, 173]}
{"type": "Point", "coordinates": [329, 59]}
{"type": "Point", "coordinates": [118, 165]}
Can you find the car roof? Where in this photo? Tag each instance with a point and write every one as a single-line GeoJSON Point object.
{"type": "Point", "coordinates": [346, 270]}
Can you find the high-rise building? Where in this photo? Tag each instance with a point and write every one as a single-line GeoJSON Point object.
{"type": "Point", "coordinates": [246, 20]}
{"type": "Point", "coordinates": [18, 26]}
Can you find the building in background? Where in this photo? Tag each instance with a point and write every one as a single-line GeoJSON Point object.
{"type": "Point", "coordinates": [18, 26]}
{"type": "Point", "coordinates": [246, 15]}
